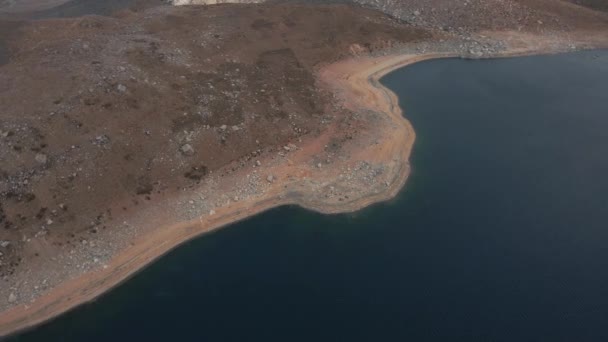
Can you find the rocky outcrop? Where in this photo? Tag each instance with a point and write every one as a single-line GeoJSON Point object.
{"type": "Point", "coordinates": [466, 17]}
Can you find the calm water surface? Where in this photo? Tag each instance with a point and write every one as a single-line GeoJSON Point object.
{"type": "Point", "coordinates": [500, 235]}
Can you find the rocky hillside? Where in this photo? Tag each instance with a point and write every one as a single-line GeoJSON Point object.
{"type": "Point", "coordinates": [151, 104]}
{"type": "Point", "coordinates": [464, 16]}
{"type": "Point", "coordinates": [467, 16]}
{"type": "Point", "coordinates": [213, 2]}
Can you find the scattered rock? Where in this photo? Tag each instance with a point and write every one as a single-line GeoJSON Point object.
{"type": "Point", "coordinates": [12, 298]}
{"type": "Point", "coordinates": [121, 88]}
{"type": "Point", "coordinates": [41, 158]}
{"type": "Point", "coordinates": [187, 150]}
{"type": "Point", "coordinates": [101, 140]}
{"type": "Point", "coordinates": [258, 163]}
{"type": "Point", "coordinates": [270, 178]}
{"type": "Point", "coordinates": [4, 244]}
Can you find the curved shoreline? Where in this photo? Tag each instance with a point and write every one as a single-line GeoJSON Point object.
{"type": "Point", "coordinates": [89, 286]}
{"type": "Point", "coordinates": [357, 80]}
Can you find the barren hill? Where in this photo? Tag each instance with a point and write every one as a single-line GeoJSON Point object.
{"type": "Point", "coordinates": [115, 129]}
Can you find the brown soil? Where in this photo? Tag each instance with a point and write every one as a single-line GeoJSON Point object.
{"type": "Point", "coordinates": [110, 103]}
{"type": "Point", "coordinates": [125, 136]}
{"type": "Point", "coordinates": [104, 118]}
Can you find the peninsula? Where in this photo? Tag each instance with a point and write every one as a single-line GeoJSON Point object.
{"type": "Point", "coordinates": [125, 135]}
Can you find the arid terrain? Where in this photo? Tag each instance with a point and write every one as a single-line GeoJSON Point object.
{"type": "Point", "coordinates": [124, 135]}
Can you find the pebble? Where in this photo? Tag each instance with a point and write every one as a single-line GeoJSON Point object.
{"type": "Point", "coordinates": [41, 158]}
{"type": "Point", "coordinates": [187, 150]}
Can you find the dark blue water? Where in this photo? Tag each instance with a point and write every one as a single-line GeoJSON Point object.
{"type": "Point", "coordinates": [500, 235]}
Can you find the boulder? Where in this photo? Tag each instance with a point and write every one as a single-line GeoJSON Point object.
{"type": "Point", "coordinates": [41, 158]}
{"type": "Point", "coordinates": [187, 150]}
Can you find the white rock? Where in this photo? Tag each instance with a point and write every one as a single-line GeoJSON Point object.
{"type": "Point", "coordinates": [187, 150]}
{"type": "Point", "coordinates": [41, 158]}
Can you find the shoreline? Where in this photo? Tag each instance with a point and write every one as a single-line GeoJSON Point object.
{"type": "Point", "coordinates": [91, 285]}
{"type": "Point", "coordinates": [357, 81]}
